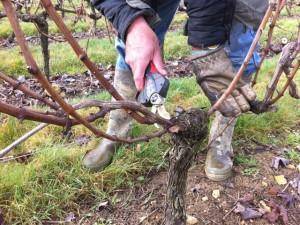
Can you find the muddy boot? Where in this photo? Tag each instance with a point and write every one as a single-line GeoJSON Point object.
{"type": "Point", "coordinates": [218, 164]}
{"type": "Point", "coordinates": [119, 124]}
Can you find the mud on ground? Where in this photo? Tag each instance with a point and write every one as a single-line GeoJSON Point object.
{"type": "Point", "coordinates": [144, 204]}
{"type": "Point", "coordinates": [77, 85]}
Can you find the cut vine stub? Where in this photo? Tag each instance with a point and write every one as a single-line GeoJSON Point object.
{"type": "Point", "coordinates": [193, 130]}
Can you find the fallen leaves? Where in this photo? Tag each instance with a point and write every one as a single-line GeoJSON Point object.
{"type": "Point", "coordinates": [265, 206]}
{"type": "Point", "coordinates": [246, 209]}
{"type": "Point", "coordinates": [83, 140]}
{"type": "Point", "coordinates": [278, 213]}
{"type": "Point", "coordinates": [106, 205]}
{"type": "Point", "coordinates": [247, 212]}
{"type": "Point", "coordinates": [70, 218]}
{"type": "Point", "coordinates": [279, 161]}
{"type": "Point", "coordinates": [280, 179]}
{"type": "Point", "coordinates": [273, 190]}
{"type": "Point", "coordinates": [190, 220]}
{"type": "Point", "coordinates": [295, 183]}
{"type": "Point", "coordinates": [216, 194]}
{"type": "Point", "coordinates": [289, 200]}
{"type": "Point", "coordinates": [204, 199]}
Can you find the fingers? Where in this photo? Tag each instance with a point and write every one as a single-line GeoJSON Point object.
{"type": "Point", "coordinates": [248, 92]}
{"type": "Point", "coordinates": [229, 108]}
{"type": "Point", "coordinates": [241, 101]}
{"type": "Point", "coordinates": [158, 61]}
{"type": "Point", "coordinates": [138, 70]}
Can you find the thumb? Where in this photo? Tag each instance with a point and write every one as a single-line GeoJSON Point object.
{"type": "Point", "coordinates": [138, 75]}
{"type": "Point", "coordinates": [158, 62]}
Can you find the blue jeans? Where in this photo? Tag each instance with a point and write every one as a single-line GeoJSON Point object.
{"type": "Point", "coordinates": [241, 38]}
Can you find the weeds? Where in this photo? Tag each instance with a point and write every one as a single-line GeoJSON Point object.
{"type": "Point", "coordinates": [245, 160]}
{"type": "Point", "coordinates": [293, 155]}
{"type": "Point", "coordinates": [54, 183]}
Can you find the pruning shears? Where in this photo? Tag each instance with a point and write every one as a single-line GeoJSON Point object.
{"type": "Point", "coordinates": [155, 92]}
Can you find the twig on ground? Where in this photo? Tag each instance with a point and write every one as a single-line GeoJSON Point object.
{"type": "Point", "coordinates": [22, 139]}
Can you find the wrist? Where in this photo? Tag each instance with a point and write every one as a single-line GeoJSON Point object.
{"type": "Point", "coordinates": [138, 23]}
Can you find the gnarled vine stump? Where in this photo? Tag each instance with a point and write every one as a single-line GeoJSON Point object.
{"type": "Point", "coordinates": [193, 130]}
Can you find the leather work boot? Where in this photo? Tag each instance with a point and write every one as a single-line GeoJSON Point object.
{"type": "Point", "coordinates": [218, 164]}
{"type": "Point", "coordinates": [119, 124]}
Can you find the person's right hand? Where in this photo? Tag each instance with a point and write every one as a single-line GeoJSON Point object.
{"type": "Point", "coordinates": [141, 48]}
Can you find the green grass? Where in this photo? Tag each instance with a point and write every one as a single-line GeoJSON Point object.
{"type": "Point", "coordinates": [54, 183]}
{"type": "Point", "coordinates": [81, 25]}
{"type": "Point", "coordinates": [285, 28]}
{"type": "Point", "coordinates": [294, 155]}
{"type": "Point", "coordinates": [99, 50]}
{"type": "Point", "coordinates": [245, 160]}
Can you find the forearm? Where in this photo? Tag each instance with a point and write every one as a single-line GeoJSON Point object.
{"type": "Point", "coordinates": [121, 14]}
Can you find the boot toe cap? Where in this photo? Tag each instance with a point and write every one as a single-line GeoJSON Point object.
{"type": "Point", "coordinates": [99, 158]}
{"type": "Point", "coordinates": [218, 170]}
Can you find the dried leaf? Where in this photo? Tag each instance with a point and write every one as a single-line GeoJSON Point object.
{"type": "Point", "coordinates": [288, 199]}
{"type": "Point", "coordinates": [264, 206]}
{"type": "Point", "coordinates": [284, 215]}
{"type": "Point", "coordinates": [291, 166]}
{"type": "Point", "coordinates": [82, 140]}
{"type": "Point", "coordinates": [190, 220]}
{"type": "Point", "coordinates": [264, 184]}
{"type": "Point", "coordinates": [272, 216]}
{"type": "Point", "coordinates": [105, 206]}
{"type": "Point", "coordinates": [70, 218]}
{"type": "Point", "coordinates": [248, 197]}
{"type": "Point", "coordinates": [216, 194]}
{"type": "Point", "coordinates": [295, 183]}
{"type": "Point", "coordinates": [278, 211]}
{"type": "Point", "coordinates": [247, 213]}
{"type": "Point", "coordinates": [273, 190]}
{"type": "Point", "coordinates": [279, 161]}
{"type": "Point", "coordinates": [204, 199]}
{"type": "Point", "coordinates": [280, 179]}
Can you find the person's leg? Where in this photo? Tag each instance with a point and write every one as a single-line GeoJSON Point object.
{"type": "Point", "coordinates": [218, 164]}
{"type": "Point", "coordinates": [119, 121]}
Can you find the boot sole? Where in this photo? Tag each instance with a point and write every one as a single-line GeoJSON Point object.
{"type": "Point", "coordinates": [218, 177]}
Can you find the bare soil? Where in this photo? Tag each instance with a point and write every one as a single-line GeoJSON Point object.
{"type": "Point", "coordinates": [77, 85]}
{"type": "Point", "coordinates": [144, 204]}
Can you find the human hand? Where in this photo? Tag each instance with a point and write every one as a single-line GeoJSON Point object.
{"type": "Point", "coordinates": [142, 47]}
{"type": "Point", "coordinates": [214, 73]}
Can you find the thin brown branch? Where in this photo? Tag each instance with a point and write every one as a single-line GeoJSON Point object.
{"type": "Point", "coordinates": [127, 105]}
{"type": "Point", "coordinates": [93, 16]}
{"type": "Point", "coordinates": [290, 78]}
{"type": "Point", "coordinates": [22, 87]}
{"type": "Point", "coordinates": [89, 64]}
{"type": "Point", "coordinates": [28, 114]}
{"type": "Point", "coordinates": [35, 71]}
{"type": "Point", "coordinates": [270, 35]}
{"type": "Point", "coordinates": [240, 72]}
{"type": "Point", "coordinates": [289, 53]}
